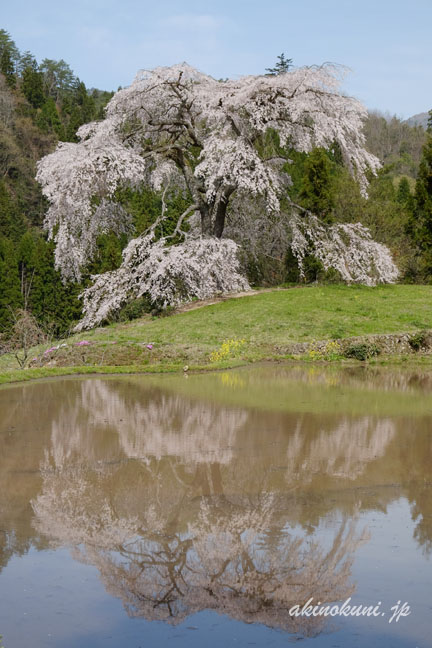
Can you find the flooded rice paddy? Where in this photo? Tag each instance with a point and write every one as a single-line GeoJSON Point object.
{"type": "Point", "coordinates": [256, 507]}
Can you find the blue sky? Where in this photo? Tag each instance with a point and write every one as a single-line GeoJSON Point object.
{"type": "Point", "coordinates": [387, 44]}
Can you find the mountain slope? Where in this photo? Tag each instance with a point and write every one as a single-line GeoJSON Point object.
{"type": "Point", "coordinates": [420, 119]}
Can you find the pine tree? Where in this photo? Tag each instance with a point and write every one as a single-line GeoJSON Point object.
{"type": "Point", "coordinates": [282, 65]}
{"type": "Point", "coordinates": [9, 56]}
{"type": "Point", "coordinates": [32, 84]}
{"type": "Point", "coordinates": [7, 67]}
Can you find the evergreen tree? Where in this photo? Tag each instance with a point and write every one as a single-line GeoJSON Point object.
{"type": "Point", "coordinates": [81, 109]}
{"type": "Point", "coordinates": [49, 119]}
{"type": "Point", "coordinates": [27, 261]}
{"type": "Point", "coordinates": [74, 122]}
{"type": "Point", "coordinates": [423, 195]}
{"type": "Point", "coordinates": [6, 42]}
{"type": "Point", "coordinates": [32, 84]}
{"type": "Point", "coordinates": [317, 187]}
{"type": "Point", "coordinates": [51, 301]}
{"type": "Point", "coordinates": [282, 65]}
{"type": "Point", "coordinates": [5, 212]}
{"type": "Point", "coordinates": [109, 253]}
{"type": "Point", "coordinates": [58, 101]}
{"type": "Point", "coordinates": [12, 223]}
{"type": "Point", "coordinates": [7, 67]}
{"type": "Point", "coordinates": [85, 102]}
{"type": "Point", "coordinates": [404, 196]}
{"type": "Point", "coordinates": [10, 289]}
{"type": "Point", "coordinates": [420, 226]}
{"type": "Point", "coordinates": [9, 56]}
{"type": "Point", "coordinates": [59, 80]}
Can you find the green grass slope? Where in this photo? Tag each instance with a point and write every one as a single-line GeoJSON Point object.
{"type": "Point", "coordinates": [266, 321]}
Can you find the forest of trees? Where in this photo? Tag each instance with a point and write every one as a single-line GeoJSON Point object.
{"type": "Point", "coordinates": [44, 103]}
{"type": "Point", "coordinates": [40, 104]}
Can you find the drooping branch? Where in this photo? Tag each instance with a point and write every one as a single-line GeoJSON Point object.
{"type": "Point", "coordinates": [208, 130]}
{"type": "Point", "coordinates": [176, 126]}
{"type": "Point", "coordinates": [169, 275]}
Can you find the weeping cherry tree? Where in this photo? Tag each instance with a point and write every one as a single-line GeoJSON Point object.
{"type": "Point", "coordinates": [177, 127]}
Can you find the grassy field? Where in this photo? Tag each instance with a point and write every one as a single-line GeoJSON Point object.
{"type": "Point", "coordinates": [266, 321]}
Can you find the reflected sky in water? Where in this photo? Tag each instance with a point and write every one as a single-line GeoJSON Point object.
{"type": "Point", "coordinates": [200, 509]}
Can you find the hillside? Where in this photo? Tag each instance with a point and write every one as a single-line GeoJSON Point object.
{"type": "Point", "coordinates": [270, 325]}
{"type": "Point", "coordinates": [40, 104]}
{"type": "Point", "coordinates": [418, 120]}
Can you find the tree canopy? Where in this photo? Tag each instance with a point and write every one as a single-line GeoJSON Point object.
{"type": "Point", "coordinates": [179, 127]}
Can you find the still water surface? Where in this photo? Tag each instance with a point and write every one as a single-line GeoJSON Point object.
{"type": "Point", "coordinates": [198, 511]}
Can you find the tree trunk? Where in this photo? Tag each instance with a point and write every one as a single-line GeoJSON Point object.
{"type": "Point", "coordinates": [220, 215]}
{"type": "Point", "coordinates": [206, 224]}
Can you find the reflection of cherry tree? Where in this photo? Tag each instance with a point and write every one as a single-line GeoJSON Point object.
{"type": "Point", "coordinates": [421, 512]}
{"type": "Point", "coordinates": [237, 560]}
{"type": "Point", "coordinates": [419, 489]}
{"type": "Point", "coordinates": [158, 423]}
{"type": "Point", "coordinates": [72, 513]}
{"type": "Point", "coordinates": [364, 378]}
{"type": "Point", "coordinates": [342, 451]}
{"type": "Point", "coordinates": [155, 424]}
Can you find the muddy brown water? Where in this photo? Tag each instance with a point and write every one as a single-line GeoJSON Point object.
{"type": "Point", "coordinates": [252, 507]}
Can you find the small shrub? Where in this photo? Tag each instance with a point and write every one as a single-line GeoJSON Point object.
{"type": "Point", "coordinates": [24, 334]}
{"type": "Point", "coordinates": [418, 341]}
{"type": "Point", "coordinates": [134, 309]}
{"type": "Point", "coordinates": [362, 351]}
{"type": "Point", "coordinates": [313, 269]}
{"type": "Point", "coordinates": [330, 351]}
{"type": "Point", "coordinates": [228, 349]}
{"type": "Point", "coordinates": [163, 312]}
{"type": "Point", "coordinates": [332, 276]}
